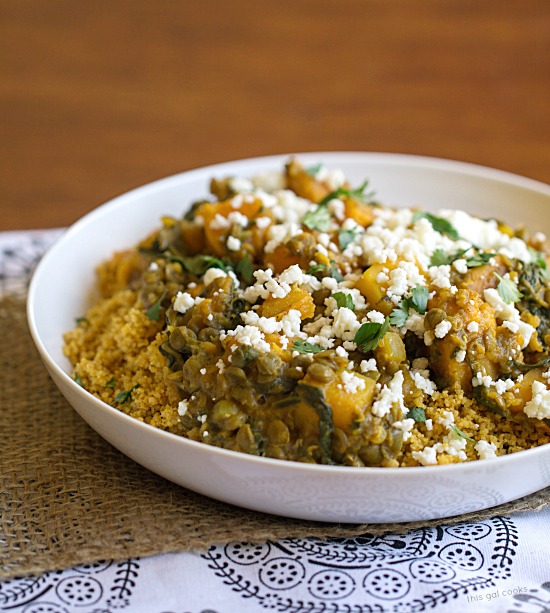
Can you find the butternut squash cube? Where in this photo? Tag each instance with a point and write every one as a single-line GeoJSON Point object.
{"type": "Point", "coordinates": [298, 299]}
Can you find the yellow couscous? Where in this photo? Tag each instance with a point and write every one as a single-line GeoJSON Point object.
{"type": "Point", "coordinates": [292, 316]}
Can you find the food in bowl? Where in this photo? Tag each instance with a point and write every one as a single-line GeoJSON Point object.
{"type": "Point", "coordinates": [292, 316]}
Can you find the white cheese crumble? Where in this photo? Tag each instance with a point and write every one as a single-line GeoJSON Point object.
{"type": "Point", "coordinates": [233, 243]}
{"type": "Point", "coordinates": [485, 450]}
{"type": "Point", "coordinates": [508, 312]}
{"type": "Point", "coordinates": [184, 301]}
{"type": "Point", "coordinates": [390, 395]}
{"type": "Point", "coordinates": [443, 328]}
{"type": "Point", "coordinates": [539, 405]}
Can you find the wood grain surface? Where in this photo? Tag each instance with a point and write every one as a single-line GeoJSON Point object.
{"type": "Point", "coordinates": [101, 96]}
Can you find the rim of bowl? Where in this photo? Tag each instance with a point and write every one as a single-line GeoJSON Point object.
{"type": "Point", "coordinates": [383, 158]}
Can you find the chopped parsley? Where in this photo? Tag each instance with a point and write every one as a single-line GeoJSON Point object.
{"type": "Point", "coordinates": [344, 300]}
{"type": "Point", "coordinates": [318, 219]}
{"type": "Point", "coordinates": [440, 258]}
{"type": "Point", "coordinates": [355, 194]}
{"type": "Point", "coordinates": [418, 300]}
{"type": "Point", "coordinates": [315, 169]}
{"type": "Point", "coordinates": [153, 312]}
{"type": "Point", "coordinates": [416, 413]}
{"type": "Point", "coordinates": [111, 383]}
{"type": "Point", "coordinates": [325, 271]}
{"type": "Point", "coordinates": [199, 264]}
{"type": "Point", "coordinates": [459, 432]}
{"type": "Point", "coordinates": [346, 237]}
{"type": "Point", "coordinates": [539, 259]}
{"type": "Point", "coordinates": [124, 397]}
{"type": "Point", "coordinates": [508, 290]}
{"type": "Point", "coordinates": [370, 334]}
{"type": "Point", "coordinates": [302, 346]}
{"type": "Point", "coordinates": [78, 380]}
{"type": "Point", "coordinates": [438, 223]}
{"type": "Point", "coordinates": [245, 268]}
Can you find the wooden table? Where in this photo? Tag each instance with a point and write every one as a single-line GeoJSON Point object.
{"type": "Point", "coordinates": [99, 97]}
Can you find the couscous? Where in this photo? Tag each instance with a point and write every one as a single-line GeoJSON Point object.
{"type": "Point", "coordinates": [290, 315]}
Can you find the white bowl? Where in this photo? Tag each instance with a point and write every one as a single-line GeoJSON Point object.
{"type": "Point", "coordinates": [62, 287]}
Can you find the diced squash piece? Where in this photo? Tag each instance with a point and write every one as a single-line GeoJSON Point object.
{"type": "Point", "coordinates": [359, 211]}
{"type": "Point", "coordinates": [298, 299]}
{"type": "Point", "coordinates": [281, 258]}
{"type": "Point", "coordinates": [391, 351]}
{"type": "Point", "coordinates": [524, 387]}
{"type": "Point", "coordinates": [346, 407]}
{"type": "Point", "coordinates": [483, 277]}
{"type": "Point", "coordinates": [216, 237]}
{"type": "Point", "coordinates": [374, 292]}
{"type": "Point", "coordinates": [303, 183]}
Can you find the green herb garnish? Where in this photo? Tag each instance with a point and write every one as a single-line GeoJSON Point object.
{"type": "Point", "coordinates": [302, 346]}
{"type": "Point", "coordinates": [479, 259]}
{"type": "Point", "coordinates": [78, 380]}
{"type": "Point", "coordinates": [355, 194]}
{"type": "Point", "coordinates": [346, 237]}
{"type": "Point", "coordinates": [245, 268]}
{"type": "Point", "coordinates": [438, 223]}
{"type": "Point", "coordinates": [508, 290]}
{"type": "Point", "coordinates": [370, 334]}
{"type": "Point", "coordinates": [326, 271]}
{"type": "Point", "coordinates": [124, 397]}
{"type": "Point", "coordinates": [418, 301]}
{"type": "Point", "coordinates": [81, 320]}
{"type": "Point", "coordinates": [459, 432]}
{"type": "Point", "coordinates": [539, 259]}
{"type": "Point", "coordinates": [344, 300]}
{"type": "Point", "coordinates": [400, 314]}
{"type": "Point", "coordinates": [199, 264]}
{"type": "Point", "coordinates": [318, 219]}
{"type": "Point", "coordinates": [153, 312]}
{"type": "Point", "coordinates": [111, 383]}
{"type": "Point", "coordinates": [315, 169]}
{"type": "Point", "coordinates": [417, 413]}
{"type": "Point", "coordinates": [419, 298]}
{"type": "Point", "coordinates": [440, 258]}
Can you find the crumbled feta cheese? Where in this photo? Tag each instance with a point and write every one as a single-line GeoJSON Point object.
{"type": "Point", "coordinates": [233, 243]}
{"type": "Point", "coordinates": [508, 312]}
{"type": "Point", "coordinates": [211, 274]}
{"type": "Point", "coordinates": [539, 405]}
{"type": "Point", "coordinates": [485, 450]}
{"type": "Point", "coordinates": [406, 426]}
{"type": "Point", "coordinates": [182, 408]}
{"type": "Point", "coordinates": [341, 352]}
{"type": "Point", "coordinates": [390, 395]}
{"type": "Point", "coordinates": [184, 301]}
{"type": "Point", "coordinates": [219, 222]}
{"type": "Point", "coordinates": [473, 326]}
{"type": "Point", "coordinates": [352, 383]}
{"type": "Point", "coordinates": [447, 419]}
{"type": "Point", "coordinates": [443, 328]}
{"type": "Point", "coordinates": [461, 266]}
{"type": "Point", "coordinates": [426, 457]}
{"type": "Point", "coordinates": [368, 365]}
{"type": "Point", "coordinates": [263, 222]}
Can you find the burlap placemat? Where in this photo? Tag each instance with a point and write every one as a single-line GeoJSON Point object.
{"type": "Point", "coordinates": [67, 497]}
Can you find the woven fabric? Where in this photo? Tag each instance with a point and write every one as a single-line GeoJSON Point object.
{"type": "Point", "coordinates": [67, 497]}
